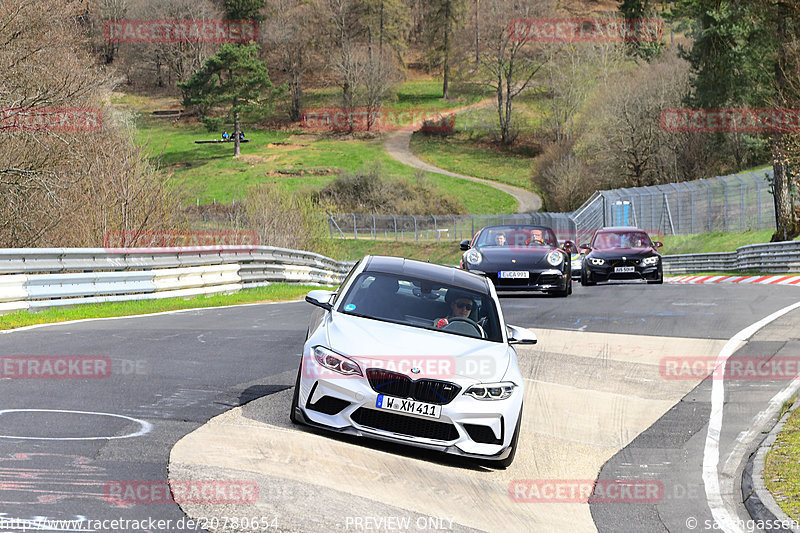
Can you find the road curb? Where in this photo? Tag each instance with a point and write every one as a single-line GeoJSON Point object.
{"type": "Point", "coordinates": [757, 499]}
{"type": "Point", "coordinates": [782, 279]}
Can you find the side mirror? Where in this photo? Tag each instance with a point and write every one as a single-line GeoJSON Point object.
{"type": "Point", "coordinates": [518, 335]}
{"type": "Point", "coordinates": [586, 247]}
{"type": "Point", "coordinates": [320, 298]}
{"type": "Point", "coordinates": [464, 245]}
{"type": "Point", "coordinates": [658, 244]}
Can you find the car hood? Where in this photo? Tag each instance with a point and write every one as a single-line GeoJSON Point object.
{"type": "Point", "coordinates": [437, 355]}
{"type": "Point", "coordinates": [636, 253]}
{"type": "Point", "coordinates": [510, 257]}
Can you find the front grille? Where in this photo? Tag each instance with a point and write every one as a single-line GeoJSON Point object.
{"type": "Point", "coordinates": [627, 262]}
{"type": "Point", "coordinates": [401, 386]}
{"type": "Point", "coordinates": [405, 425]}
{"type": "Point", "coordinates": [549, 279]}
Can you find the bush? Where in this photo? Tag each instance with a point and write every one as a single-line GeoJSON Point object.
{"type": "Point", "coordinates": [286, 220]}
{"type": "Point", "coordinates": [368, 191]}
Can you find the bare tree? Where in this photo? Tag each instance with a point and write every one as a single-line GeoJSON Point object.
{"type": "Point", "coordinates": [49, 175]}
{"type": "Point", "coordinates": [508, 65]}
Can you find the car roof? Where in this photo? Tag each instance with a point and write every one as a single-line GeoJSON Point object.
{"type": "Point", "coordinates": [519, 226]}
{"type": "Point", "coordinates": [429, 271]}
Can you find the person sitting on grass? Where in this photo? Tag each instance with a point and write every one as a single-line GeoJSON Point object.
{"type": "Point", "coordinates": [226, 136]}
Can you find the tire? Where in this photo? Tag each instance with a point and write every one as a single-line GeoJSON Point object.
{"type": "Point", "coordinates": [296, 397]}
{"type": "Point", "coordinates": [562, 293]}
{"type": "Point", "coordinates": [658, 281]}
{"type": "Point", "coordinates": [585, 281]}
{"type": "Point", "coordinates": [505, 463]}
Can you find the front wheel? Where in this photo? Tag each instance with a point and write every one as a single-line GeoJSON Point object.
{"type": "Point", "coordinates": [505, 463]}
{"type": "Point", "coordinates": [586, 279]}
{"type": "Point", "coordinates": [296, 396]}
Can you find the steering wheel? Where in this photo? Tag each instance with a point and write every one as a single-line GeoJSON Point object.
{"type": "Point", "coordinates": [469, 321]}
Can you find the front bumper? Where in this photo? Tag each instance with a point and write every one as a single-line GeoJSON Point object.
{"type": "Point", "coordinates": [606, 272]}
{"type": "Point", "coordinates": [539, 281]}
{"type": "Point", "coordinates": [350, 407]}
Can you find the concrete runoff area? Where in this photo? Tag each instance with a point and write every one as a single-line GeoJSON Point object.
{"type": "Point", "coordinates": [588, 395]}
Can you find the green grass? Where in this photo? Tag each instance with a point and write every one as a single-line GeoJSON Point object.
{"type": "Point", "coordinates": [270, 293]}
{"type": "Point", "coordinates": [471, 150]}
{"type": "Point", "coordinates": [436, 252]}
{"type": "Point", "coordinates": [207, 172]}
{"type": "Point", "coordinates": [711, 242]}
{"type": "Point", "coordinates": [782, 467]}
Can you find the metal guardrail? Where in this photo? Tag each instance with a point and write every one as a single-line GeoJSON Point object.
{"type": "Point", "coordinates": [776, 257]}
{"type": "Point", "coordinates": [34, 278]}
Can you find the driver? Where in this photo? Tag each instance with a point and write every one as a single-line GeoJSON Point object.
{"type": "Point", "coordinates": [461, 306]}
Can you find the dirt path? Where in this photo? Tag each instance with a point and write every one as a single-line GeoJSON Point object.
{"type": "Point", "coordinates": [398, 146]}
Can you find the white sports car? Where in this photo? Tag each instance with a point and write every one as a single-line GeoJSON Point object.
{"type": "Point", "coordinates": [415, 353]}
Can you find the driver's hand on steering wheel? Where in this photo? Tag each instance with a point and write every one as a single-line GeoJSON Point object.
{"type": "Point", "coordinates": [441, 323]}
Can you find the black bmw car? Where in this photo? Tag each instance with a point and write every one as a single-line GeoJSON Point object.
{"type": "Point", "coordinates": [621, 253]}
{"type": "Point", "coordinates": [520, 258]}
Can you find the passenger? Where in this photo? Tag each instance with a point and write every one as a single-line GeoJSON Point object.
{"type": "Point", "coordinates": [500, 239]}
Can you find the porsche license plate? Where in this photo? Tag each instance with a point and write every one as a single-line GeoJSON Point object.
{"type": "Point", "coordinates": [624, 270]}
{"type": "Point", "coordinates": [514, 274]}
{"type": "Point", "coordinates": [400, 405]}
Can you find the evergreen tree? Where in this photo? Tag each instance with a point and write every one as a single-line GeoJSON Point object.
{"type": "Point", "coordinates": [234, 78]}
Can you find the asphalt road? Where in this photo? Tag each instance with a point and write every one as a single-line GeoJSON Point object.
{"type": "Point", "coordinates": [172, 373]}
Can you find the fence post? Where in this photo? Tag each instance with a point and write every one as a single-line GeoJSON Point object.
{"type": "Point", "coordinates": [355, 227]}
{"type": "Point", "coordinates": [436, 227]}
{"type": "Point", "coordinates": [455, 228]}
{"type": "Point", "coordinates": [374, 228]}
{"type": "Point", "coordinates": [416, 235]}
{"type": "Point", "coordinates": [395, 227]}
{"type": "Point", "coordinates": [725, 192]}
{"type": "Point", "coordinates": [758, 187]}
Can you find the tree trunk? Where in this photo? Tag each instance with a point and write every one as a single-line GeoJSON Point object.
{"type": "Point", "coordinates": [785, 223]}
{"type": "Point", "coordinates": [297, 96]}
{"type": "Point", "coordinates": [446, 64]}
{"type": "Point", "coordinates": [236, 134]}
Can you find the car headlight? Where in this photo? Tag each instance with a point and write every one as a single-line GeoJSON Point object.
{"type": "Point", "coordinates": [336, 362]}
{"type": "Point", "coordinates": [650, 261]}
{"type": "Point", "coordinates": [491, 391]}
{"type": "Point", "coordinates": [555, 258]}
{"type": "Point", "coordinates": [597, 262]}
{"type": "Point", "coordinates": [473, 257]}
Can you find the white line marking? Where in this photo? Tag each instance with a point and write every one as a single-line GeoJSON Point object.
{"type": "Point", "coordinates": [723, 516]}
{"type": "Point", "coordinates": [145, 427]}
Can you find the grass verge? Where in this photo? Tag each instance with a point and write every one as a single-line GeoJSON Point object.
{"type": "Point", "coordinates": [782, 467]}
{"type": "Point", "coordinates": [272, 293]}
{"type": "Point", "coordinates": [711, 242]}
{"type": "Point", "coordinates": [436, 252]}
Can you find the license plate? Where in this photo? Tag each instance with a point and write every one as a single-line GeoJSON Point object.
{"type": "Point", "coordinates": [414, 407]}
{"type": "Point", "coordinates": [624, 270]}
{"type": "Point", "coordinates": [514, 274]}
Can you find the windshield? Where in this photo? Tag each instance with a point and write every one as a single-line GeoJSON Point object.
{"type": "Point", "coordinates": [515, 236]}
{"type": "Point", "coordinates": [423, 304]}
{"type": "Point", "coordinates": [608, 240]}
